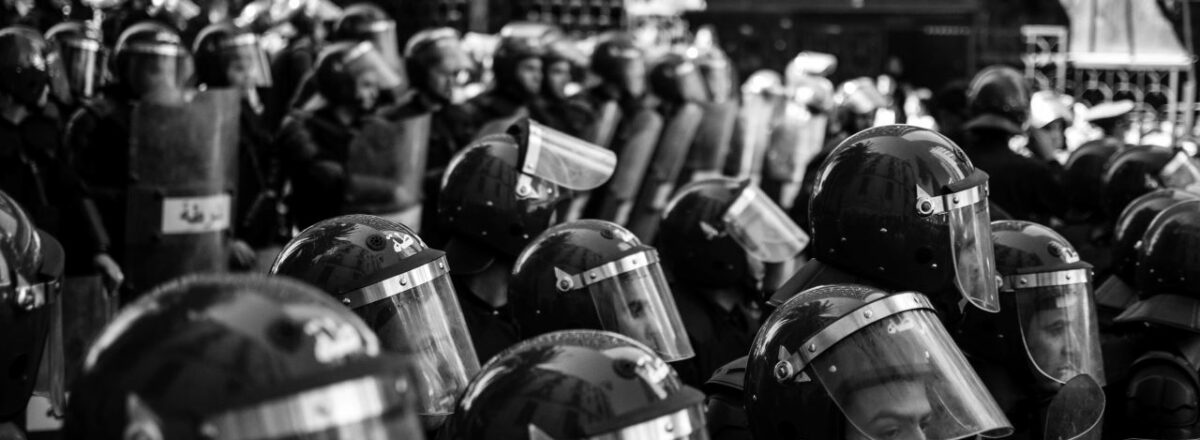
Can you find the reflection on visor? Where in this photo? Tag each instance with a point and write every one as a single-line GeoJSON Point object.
{"type": "Point", "coordinates": [417, 313]}
{"type": "Point", "coordinates": [244, 57]}
{"type": "Point", "coordinates": [762, 228]}
{"type": "Point", "coordinates": [1059, 327]}
{"type": "Point", "coordinates": [896, 370]}
{"type": "Point", "coordinates": [970, 243]}
{"type": "Point", "coordinates": [632, 298]}
{"type": "Point", "coordinates": [362, 407]}
{"type": "Point", "coordinates": [364, 59]}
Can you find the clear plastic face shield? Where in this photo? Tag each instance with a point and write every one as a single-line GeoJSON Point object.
{"type": "Point", "coordinates": [417, 313]}
{"type": "Point", "coordinates": [369, 403]}
{"type": "Point", "coordinates": [895, 373]}
{"type": "Point", "coordinates": [632, 298]}
{"type": "Point", "coordinates": [550, 158]}
{"type": "Point", "coordinates": [1182, 172]}
{"type": "Point", "coordinates": [966, 213]}
{"type": "Point", "coordinates": [83, 62]}
{"type": "Point", "coordinates": [1059, 328]}
{"type": "Point", "coordinates": [246, 64]}
{"type": "Point", "coordinates": [1077, 411]}
{"type": "Point", "coordinates": [685, 424]}
{"type": "Point", "coordinates": [762, 228]}
{"type": "Point", "coordinates": [156, 68]}
{"type": "Point", "coordinates": [383, 35]}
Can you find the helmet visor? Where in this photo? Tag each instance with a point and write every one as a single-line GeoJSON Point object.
{"type": "Point", "coordinates": [51, 379]}
{"type": "Point", "coordinates": [1076, 411]}
{"type": "Point", "coordinates": [632, 298]}
{"type": "Point", "coordinates": [245, 61]}
{"type": "Point", "coordinates": [1181, 172]}
{"type": "Point", "coordinates": [560, 158]}
{"type": "Point", "coordinates": [156, 67]}
{"type": "Point", "coordinates": [83, 62]}
{"type": "Point", "coordinates": [366, 63]}
{"type": "Point", "coordinates": [685, 424]}
{"type": "Point", "coordinates": [971, 247]}
{"type": "Point", "coordinates": [762, 228]}
{"type": "Point", "coordinates": [417, 313]}
{"type": "Point", "coordinates": [902, 374]}
{"type": "Point", "coordinates": [371, 406]}
{"type": "Point", "coordinates": [1059, 327]}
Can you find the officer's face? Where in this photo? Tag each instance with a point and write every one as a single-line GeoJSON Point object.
{"type": "Point", "coordinates": [890, 411]}
{"type": "Point", "coordinates": [238, 73]}
{"type": "Point", "coordinates": [558, 75]}
{"type": "Point", "coordinates": [366, 90]}
{"type": "Point", "coordinates": [1052, 135]}
{"type": "Point", "coordinates": [443, 78]}
{"type": "Point", "coordinates": [154, 75]}
{"type": "Point", "coordinates": [1050, 340]}
{"type": "Point", "coordinates": [633, 78]}
{"type": "Point", "coordinates": [529, 75]}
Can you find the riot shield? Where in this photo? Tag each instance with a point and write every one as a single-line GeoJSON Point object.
{"type": "Point", "coordinates": [708, 152]}
{"type": "Point", "coordinates": [659, 183]}
{"type": "Point", "coordinates": [634, 146]}
{"type": "Point", "coordinates": [1077, 411]}
{"type": "Point", "coordinates": [607, 120]}
{"type": "Point", "coordinates": [752, 132]}
{"type": "Point", "coordinates": [183, 172]}
{"type": "Point", "coordinates": [385, 167]}
{"type": "Point", "coordinates": [798, 138]}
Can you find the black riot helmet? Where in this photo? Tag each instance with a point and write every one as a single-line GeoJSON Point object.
{"type": "Point", "coordinates": [150, 57]}
{"type": "Point", "coordinates": [578, 384]}
{"type": "Point", "coordinates": [675, 79]}
{"type": "Point", "coordinates": [31, 265]}
{"type": "Point", "coordinates": [24, 72]}
{"type": "Point", "coordinates": [503, 190]}
{"type": "Point", "coordinates": [401, 288]}
{"type": "Point", "coordinates": [84, 58]}
{"type": "Point", "coordinates": [435, 60]}
{"type": "Point", "coordinates": [1046, 332]}
{"type": "Point", "coordinates": [1131, 226]}
{"type": "Point", "coordinates": [368, 22]}
{"type": "Point", "coordinates": [718, 232]}
{"type": "Point", "coordinates": [1130, 173]}
{"type": "Point", "coordinates": [904, 206]}
{"type": "Point", "coordinates": [1168, 276]}
{"type": "Point", "coordinates": [240, 356]}
{"type": "Point", "coordinates": [1161, 396]}
{"type": "Point", "coordinates": [342, 65]}
{"type": "Point", "coordinates": [227, 56]}
{"type": "Point", "coordinates": [998, 99]}
{"type": "Point", "coordinates": [519, 43]}
{"type": "Point", "coordinates": [593, 274]}
{"type": "Point", "coordinates": [1083, 177]}
{"type": "Point", "coordinates": [842, 357]}
{"type": "Point", "coordinates": [562, 54]}
{"type": "Point", "coordinates": [621, 64]}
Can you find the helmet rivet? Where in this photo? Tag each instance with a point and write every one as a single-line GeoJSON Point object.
{"type": "Point", "coordinates": [1068, 278]}
{"type": "Point", "coordinates": [833, 368]}
{"type": "Point", "coordinates": [404, 281]}
{"type": "Point", "coordinates": [441, 265]}
{"type": "Point", "coordinates": [376, 242]}
{"type": "Point", "coordinates": [925, 207]}
{"type": "Point", "coordinates": [593, 275]}
{"type": "Point", "coordinates": [1024, 281]}
{"type": "Point", "coordinates": [669, 427]}
{"type": "Point", "coordinates": [882, 230]}
{"type": "Point", "coordinates": [488, 203]}
{"type": "Point", "coordinates": [812, 348]}
{"type": "Point", "coordinates": [783, 371]}
{"type": "Point", "coordinates": [868, 314]}
{"type": "Point", "coordinates": [522, 190]}
{"type": "Point", "coordinates": [933, 266]}
{"type": "Point", "coordinates": [564, 284]}
{"type": "Point", "coordinates": [346, 301]}
{"type": "Point", "coordinates": [954, 199]}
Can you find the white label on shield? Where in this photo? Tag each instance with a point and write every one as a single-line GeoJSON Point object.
{"type": "Point", "coordinates": [191, 215]}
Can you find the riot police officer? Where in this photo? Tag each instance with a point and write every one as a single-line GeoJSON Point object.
{"type": "Point", "coordinates": [1131, 172]}
{"type": "Point", "coordinates": [228, 57]}
{"type": "Point", "coordinates": [292, 64]}
{"type": "Point", "coordinates": [1026, 188]}
{"type": "Point", "coordinates": [1047, 330]}
{"type": "Point", "coordinates": [626, 123]}
{"type": "Point", "coordinates": [240, 356]}
{"type": "Point", "coordinates": [1112, 118]}
{"type": "Point", "coordinates": [518, 75]}
{"type": "Point", "coordinates": [83, 60]}
{"type": "Point", "coordinates": [717, 236]}
{"type": "Point", "coordinates": [711, 148]}
{"type": "Point", "coordinates": [1162, 387]}
{"type": "Point", "coordinates": [316, 146]}
{"type": "Point", "coordinates": [578, 384]}
{"type": "Point", "coordinates": [31, 341]}
{"type": "Point", "coordinates": [130, 145]}
{"type": "Point", "coordinates": [677, 83]}
{"type": "Point", "coordinates": [368, 22]}
{"type": "Point", "coordinates": [593, 274]}
{"type": "Point", "coordinates": [846, 361]}
{"type": "Point", "coordinates": [402, 290]}
{"type": "Point", "coordinates": [436, 60]}
{"type": "Point", "coordinates": [565, 67]}
{"type": "Point", "coordinates": [498, 194]}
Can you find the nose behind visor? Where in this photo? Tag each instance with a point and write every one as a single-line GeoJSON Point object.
{"type": "Point", "coordinates": [965, 212]}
